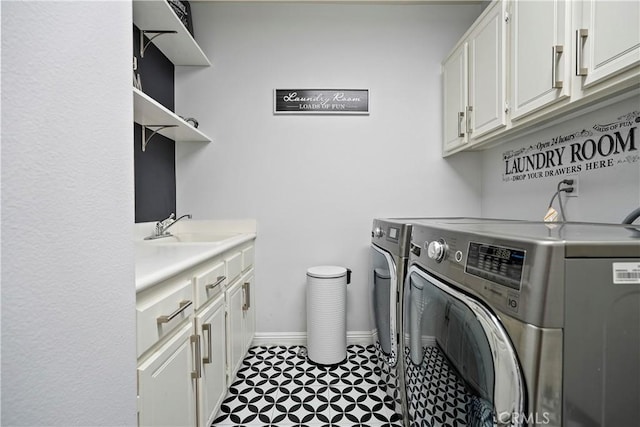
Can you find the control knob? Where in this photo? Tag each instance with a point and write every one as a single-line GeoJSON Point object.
{"type": "Point", "coordinates": [377, 232]}
{"type": "Point", "coordinates": [437, 250]}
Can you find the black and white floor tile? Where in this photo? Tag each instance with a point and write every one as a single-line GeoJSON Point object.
{"type": "Point", "coordinates": [437, 396]}
{"type": "Point", "coordinates": [277, 386]}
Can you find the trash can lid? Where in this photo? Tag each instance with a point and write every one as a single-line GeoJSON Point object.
{"type": "Point", "coordinates": [326, 271]}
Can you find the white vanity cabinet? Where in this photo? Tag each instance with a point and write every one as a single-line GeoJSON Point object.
{"type": "Point", "coordinates": [167, 347]}
{"type": "Point", "coordinates": [235, 338]}
{"type": "Point", "coordinates": [212, 387]}
{"type": "Point", "coordinates": [193, 332]}
{"type": "Point", "coordinates": [167, 383]}
{"type": "Point", "coordinates": [249, 312]}
{"type": "Point", "coordinates": [240, 310]}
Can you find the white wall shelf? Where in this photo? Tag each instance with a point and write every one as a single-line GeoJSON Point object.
{"type": "Point", "coordinates": [151, 115]}
{"type": "Point", "coordinates": [180, 48]}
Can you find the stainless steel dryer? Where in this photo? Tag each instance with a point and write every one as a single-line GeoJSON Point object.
{"type": "Point", "coordinates": [521, 323]}
{"type": "Point", "coordinates": [390, 240]}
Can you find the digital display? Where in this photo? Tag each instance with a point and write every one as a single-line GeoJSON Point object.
{"type": "Point", "coordinates": [393, 233]}
{"type": "Point", "coordinates": [498, 264]}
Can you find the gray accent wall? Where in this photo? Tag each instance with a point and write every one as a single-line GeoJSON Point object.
{"type": "Point", "coordinates": [155, 170]}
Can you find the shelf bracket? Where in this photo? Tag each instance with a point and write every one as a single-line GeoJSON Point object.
{"type": "Point", "coordinates": [157, 33]}
{"type": "Point", "coordinates": [155, 129]}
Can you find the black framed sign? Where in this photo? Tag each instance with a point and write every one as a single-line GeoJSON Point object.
{"type": "Point", "coordinates": [321, 101]}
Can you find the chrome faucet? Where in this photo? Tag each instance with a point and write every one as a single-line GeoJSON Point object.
{"type": "Point", "coordinates": [164, 225]}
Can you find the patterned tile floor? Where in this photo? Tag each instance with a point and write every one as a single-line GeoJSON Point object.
{"type": "Point", "coordinates": [277, 386]}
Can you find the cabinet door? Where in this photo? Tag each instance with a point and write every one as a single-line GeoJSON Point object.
{"type": "Point", "coordinates": [249, 327]}
{"type": "Point", "coordinates": [487, 76]}
{"type": "Point", "coordinates": [235, 319]}
{"type": "Point", "coordinates": [455, 78]}
{"type": "Point", "coordinates": [210, 325]}
{"type": "Point", "coordinates": [166, 387]}
{"type": "Point", "coordinates": [611, 43]}
{"type": "Point", "coordinates": [540, 54]}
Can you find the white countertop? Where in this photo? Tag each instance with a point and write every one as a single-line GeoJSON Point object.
{"type": "Point", "coordinates": [157, 260]}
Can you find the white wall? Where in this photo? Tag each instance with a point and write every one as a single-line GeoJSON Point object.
{"type": "Point", "coordinates": [68, 298]}
{"type": "Point", "coordinates": [604, 194]}
{"type": "Point", "coordinates": [314, 183]}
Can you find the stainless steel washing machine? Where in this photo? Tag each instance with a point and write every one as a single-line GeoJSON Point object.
{"type": "Point", "coordinates": [390, 242]}
{"type": "Point", "coordinates": [522, 323]}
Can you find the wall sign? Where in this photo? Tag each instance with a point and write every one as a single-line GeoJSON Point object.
{"type": "Point", "coordinates": [321, 101]}
{"type": "Point", "coordinates": [602, 146]}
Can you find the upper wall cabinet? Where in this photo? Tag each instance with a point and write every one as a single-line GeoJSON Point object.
{"type": "Point", "coordinates": [456, 89]}
{"type": "Point", "coordinates": [608, 39]}
{"type": "Point", "coordinates": [540, 55]}
{"type": "Point", "coordinates": [563, 56]}
{"type": "Point", "coordinates": [156, 18]}
{"type": "Point", "coordinates": [474, 79]}
{"type": "Point", "coordinates": [487, 72]}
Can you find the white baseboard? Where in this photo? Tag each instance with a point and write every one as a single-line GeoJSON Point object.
{"type": "Point", "coordinates": [300, 338]}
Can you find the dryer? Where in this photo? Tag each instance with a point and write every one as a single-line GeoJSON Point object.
{"type": "Point", "coordinates": [522, 323]}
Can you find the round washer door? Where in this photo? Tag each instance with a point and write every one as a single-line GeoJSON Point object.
{"type": "Point", "coordinates": [454, 340]}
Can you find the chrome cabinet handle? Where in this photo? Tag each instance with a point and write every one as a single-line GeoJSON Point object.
{"type": "Point", "coordinates": [195, 339]}
{"type": "Point", "coordinates": [247, 296]}
{"type": "Point", "coordinates": [580, 36]}
{"type": "Point", "coordinates": [460, 119]}
{"type": "Point", "coordinates": [182, 307]}
{"type": "Point", "coordinates": [556, 52]}
{"type": "Point", "coordinates": [469, 110]}
{"type": "Point", "coordinates": [218, 281]}
{"type": "Point", "coordinates": [207, 328]}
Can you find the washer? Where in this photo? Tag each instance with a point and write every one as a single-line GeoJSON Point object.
{"type": "Point", "coordinates": [522, 323]}
{"type": "Point", "coordinates": [390, 247]}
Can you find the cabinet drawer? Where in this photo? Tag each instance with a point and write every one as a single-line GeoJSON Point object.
{"type": "Point", "coordinates": [160, 312]}
{"type": "Point", "coordinates": [209, 284]}
{"type": "Point", "coordinates": [247, 258]}
{"type": "Point", "coordinates": [234, 266]}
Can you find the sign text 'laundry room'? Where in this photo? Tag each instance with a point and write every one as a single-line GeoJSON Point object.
{"type": "Point", "coordinates": [602, 146]}
{"type": "Point", "coordinates": [321, 101]}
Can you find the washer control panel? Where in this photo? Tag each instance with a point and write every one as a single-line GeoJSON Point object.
{"type": "Point", "coordinates": [437, 250]}
{"type": "Point", "coordinates": [496, 263]}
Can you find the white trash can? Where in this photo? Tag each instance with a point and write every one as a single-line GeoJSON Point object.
{"type": "Point", "coordinates": [327, 314]}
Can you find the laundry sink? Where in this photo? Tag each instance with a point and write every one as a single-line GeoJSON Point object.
{"type": "Point", "coordinates": [195, 237]}
{"type": "Point", "coordinates": [201, 237]}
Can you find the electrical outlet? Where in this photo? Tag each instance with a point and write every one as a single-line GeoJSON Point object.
{"type": "Point", "coordinates": [575, 186]}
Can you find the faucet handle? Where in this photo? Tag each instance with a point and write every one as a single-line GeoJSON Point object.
{"type": "Point", "coordinates": [168, 221]}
